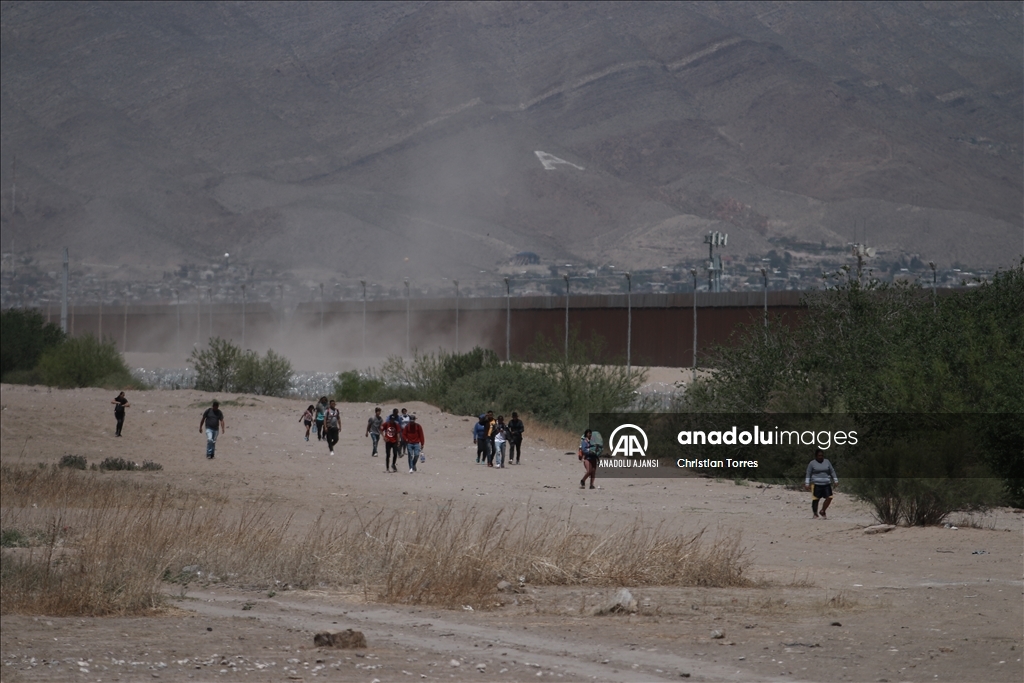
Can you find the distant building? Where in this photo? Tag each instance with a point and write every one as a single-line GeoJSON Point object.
{"type": "Point", "coordinates": [525, 258]}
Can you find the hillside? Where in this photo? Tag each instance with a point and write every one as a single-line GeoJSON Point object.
{"type": "Point", "coordinates": [345, 138]}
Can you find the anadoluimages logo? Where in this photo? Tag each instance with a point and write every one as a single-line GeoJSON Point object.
{"type": "Point", "coordinates": [628, 443]}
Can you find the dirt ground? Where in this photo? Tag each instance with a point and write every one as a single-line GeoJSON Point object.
{"type": "Point", "coordinates": [923, 604]}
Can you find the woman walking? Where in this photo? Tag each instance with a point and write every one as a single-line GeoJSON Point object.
{"type": "Point", "coordinates": [588, 454]}
{"type": "Point", "coordinates": [307, 420]}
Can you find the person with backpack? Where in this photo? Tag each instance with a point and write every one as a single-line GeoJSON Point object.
{"type": "Point", "coordinates": [588, 454]}
{"type": "Point", "coordinates": [481, 440]}
{"type": "Point", "coordinates": [212, 422]}
{"type": "Point", "coordinates": [321, 408]}
{"type": "Point", "coordinates": [332, 424]}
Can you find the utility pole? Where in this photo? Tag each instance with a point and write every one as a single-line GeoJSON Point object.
{"type": "Point", "coordinates": [566, 277]}
{"type": "Point", "coordinates": [124, 343]}
{"type": "Point", "coordinates": [177, 325]}
{"type": "Point", "coordinates": [508, 322]}
{"type": "Point", "coordinates": [715, 239]}
{"type": "Point", "coordinates": [363, 283]}
{"type": "Point", "coordinates": [408, 347]}
{"type": "Point", "coordinates": [64, 295]}
{"type": "Point", "coordinates": [456, 316]}
{"type": "Point", "coordinates": [764, 274]}
{"type": "Point", "coordinates": [243, 317]}
{"type": "Point", "coordinates": [693, 272]}
{"type": "Point", "coordinates": [629, 323]}
{"type": "Point", "coordinates": [935, 276]}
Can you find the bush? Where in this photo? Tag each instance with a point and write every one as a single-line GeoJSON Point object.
{"type": "Point", "coordinates": [223, 366]}
{"type": "Point", "coordinates": [506, 388]}
{"type": "Point", "coordinates": [352, 387]}
{"type": "Point", "coordinates": [116, 465]}
{"type": "Point", "coordinates": [73, 461]}
{"type": "Point", "coordinates": [216, 365]}
{"type": "Point", "coordinates": [25, 337]}
{"type": "Point", "coordinates": [267, 376]}
{"type": "Point", "coordinates": [86, 362]}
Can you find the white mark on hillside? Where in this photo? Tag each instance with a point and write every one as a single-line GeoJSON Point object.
{"type": "Point", "coordinates": [550, 161]}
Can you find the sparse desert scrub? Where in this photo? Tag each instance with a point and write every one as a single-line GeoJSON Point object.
{"type": "Point", "coordinates": [103, 546]}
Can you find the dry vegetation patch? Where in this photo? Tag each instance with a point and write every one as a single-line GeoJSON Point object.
{"type": "Point", "coordinates": [97, 544]}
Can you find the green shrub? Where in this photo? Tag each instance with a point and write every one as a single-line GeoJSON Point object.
{"type": "Point", "coordinates": [12, 538]}
{"type": "Point", "coordinates": [352, 387]}
{"type": "Point", "coordinates": [117, 465]}
{"type": "Point", "coordinates": [86, 362]}
{"type": "Point", "coordinates": [150, 466]}
{"type": "Point", "coordinates": [216, 365]}
{"type": "Point", "coordinates": [267, 376]}
{"type": "Point", "coordinates": [505, 388]}
{"type": "Point", "coordinates": [73, 461]}
{"type": "Point", "coordinates": [224, 366]}
{"type": "Point", "coordinates": [24, 337]}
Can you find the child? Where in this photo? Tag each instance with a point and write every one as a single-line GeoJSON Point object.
{"type": "Point", "coordinates": [307, 419]}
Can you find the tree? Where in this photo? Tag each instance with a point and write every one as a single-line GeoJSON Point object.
{"type": "Point", "coordinates": [25, 336]}
{"type": "Point", "coordinates": [216, 365]}
{"type": "Point", "coordinates": [85, 362]}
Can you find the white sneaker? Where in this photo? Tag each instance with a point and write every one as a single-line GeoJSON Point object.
{"type": "Point", "coordinates": [332, 452]}
{"type": "Point", "coordinates": [410, 470]}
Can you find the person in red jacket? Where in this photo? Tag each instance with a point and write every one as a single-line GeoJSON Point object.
{"type": "Point", "coordinates": [391, 432]}
{"type": "Point", "coordinates": [412, 434]}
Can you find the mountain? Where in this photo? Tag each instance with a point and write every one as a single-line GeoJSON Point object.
{"type": "Point", "coordinates": [430, 139]}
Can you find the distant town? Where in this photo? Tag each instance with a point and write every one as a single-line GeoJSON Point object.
{"type": "Point", "coordinates": [790, 265]}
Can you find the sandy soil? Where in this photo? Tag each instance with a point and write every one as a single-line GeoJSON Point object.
{"type": "Point", "coordinates": [913, 604]}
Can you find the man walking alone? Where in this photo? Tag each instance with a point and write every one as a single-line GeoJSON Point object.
{"type": "Point", "coordinates": [213, 422]}
{"type": "Point", "coordinates": [819, 479]}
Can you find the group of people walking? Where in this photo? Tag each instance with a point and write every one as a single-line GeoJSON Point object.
{"type": "Point", "coordinates": [498, 443]}
{"type": "Point", "coordinates": [492, 436]}
{"type": "Point", "coordinates": [401, 434]}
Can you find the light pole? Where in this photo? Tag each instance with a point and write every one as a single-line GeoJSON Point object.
{"type": "Point", "coordinates": [243, 316]}
{"type": "Point", "coordinates": [456, 316]}
{"type": "Point", "coordinates": [177, 323]}
{"type": "Point", "coordinates": [693, 272]}
{"type": "Point", "coordinates": [199, 315]}
{"type": "Point", "coordinates": [764, 274]}
{"type": "Point", "coordinates": [408, 347]}
{"type": "Point", "coordinates": [124, 342]}
{"type": "Point", "coordinates": [629, 323]}
{"type": "Point", "coordinates": [508, 322]}
{"type": "Point", "coordinates": [566, 278]}
{"type": "Point", "coordinates": [363, 283]}
{"type": "Point", "coordinates": [935, 300]}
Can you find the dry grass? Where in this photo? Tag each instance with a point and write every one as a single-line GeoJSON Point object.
{"type": "Point", "coordinates": [553, 437]}
{"type": "Point", "coordinates": [103, 546]}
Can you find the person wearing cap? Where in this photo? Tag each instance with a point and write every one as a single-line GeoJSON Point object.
{"type": "Point", "coordinates": [412, 435]}
{"type": "Point", "coordinates": [481, 440]}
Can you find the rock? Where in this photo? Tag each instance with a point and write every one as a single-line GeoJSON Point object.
{"type": "Point", "coordinates": [346, 640]}
{"type": "Point", "coordinates": [454, 662]}
{"type": "Point", "coordinates": [717, 635]}
{"type": "Point", "coordinates": [622, 602]}
{"type": "Point", "coordinates": [879, 528]}
{"type": "Point", "coordinates": [504, 586]}
{"type": "Point", "coordinates": [836, 623]}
